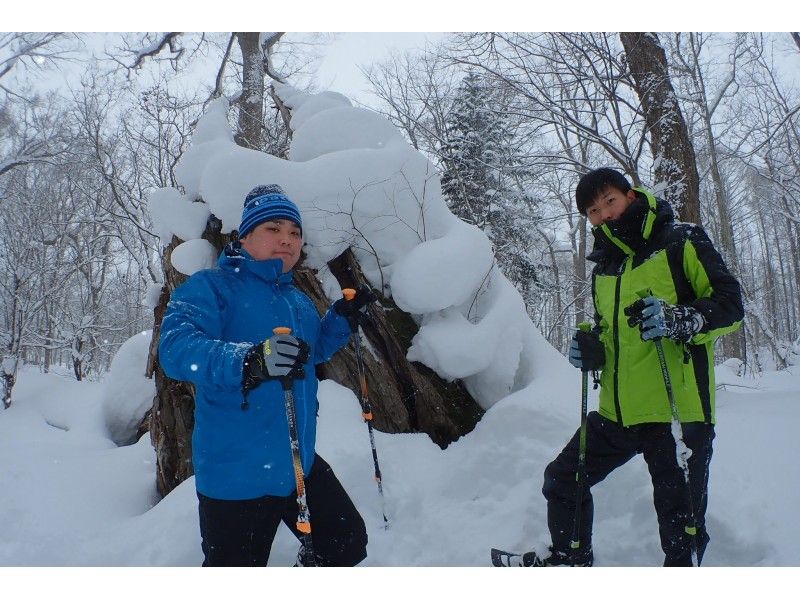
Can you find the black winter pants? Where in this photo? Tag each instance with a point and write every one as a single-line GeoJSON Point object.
{"type": "Point", "coordinates": [239, 533]}
{"type": "Point", "coordinates": [609, 445]}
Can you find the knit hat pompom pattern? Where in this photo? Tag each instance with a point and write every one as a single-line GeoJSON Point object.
{"type": "Point", "coordinates": [267, 202]}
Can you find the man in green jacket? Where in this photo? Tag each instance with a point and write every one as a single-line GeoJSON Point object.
{"type": "Point", "coordinates": [654, 279]}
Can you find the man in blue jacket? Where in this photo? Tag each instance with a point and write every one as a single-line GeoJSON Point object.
{"type": "Point", "coordinates": [218, 334]}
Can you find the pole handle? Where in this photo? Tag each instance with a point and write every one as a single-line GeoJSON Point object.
{"type": "Point", "coordinates": [348, 294]}
{"type": "Point", "coordinates": [282, 330]}
{"type": "Point", "coordinates": [585, 327]}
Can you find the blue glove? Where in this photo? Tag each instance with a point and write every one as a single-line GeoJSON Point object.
{"type": "Point", "coordinates": [586, 351]}
{"type": "Point", "coordinates": [658, 319]}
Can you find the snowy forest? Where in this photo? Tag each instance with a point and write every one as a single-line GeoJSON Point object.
{"type": "Point", "coordinates": [124, 159]}
{"type": "Point", "coordinates": [509, 120]}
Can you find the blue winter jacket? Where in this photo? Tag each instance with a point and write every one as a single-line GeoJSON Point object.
{"type": "Point", "coordinates": [212, 320]}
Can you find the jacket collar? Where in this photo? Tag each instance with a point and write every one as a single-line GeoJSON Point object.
{"type": "Point", "coordinates": [235, 257]}
{"type": "Point", "coordinates": [631, 231]}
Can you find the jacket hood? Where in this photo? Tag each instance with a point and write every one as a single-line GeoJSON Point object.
{"type": "Point", "coordinates": [631, 231]}
{"type": "Point", "coordinates": [234, 256]}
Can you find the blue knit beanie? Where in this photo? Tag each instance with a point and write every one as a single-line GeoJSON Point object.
{"type": "Point", "coordinates": [267, 202]}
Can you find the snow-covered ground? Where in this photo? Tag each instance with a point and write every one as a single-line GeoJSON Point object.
{"type": "Point", "coordinates": [71, 497]}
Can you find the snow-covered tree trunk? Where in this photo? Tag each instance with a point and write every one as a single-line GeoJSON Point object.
{"type": "Point", "coordinates": [675, 169]}
{"type": "Point", "coordinates": [251, 101]}
{"type": "Point", "coordinates": [405, 397]}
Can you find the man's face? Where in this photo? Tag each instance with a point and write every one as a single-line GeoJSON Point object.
{"type": "Point", "coordinates": [609, 204]}
{"type": "Point", "coordinates": [275, 239]}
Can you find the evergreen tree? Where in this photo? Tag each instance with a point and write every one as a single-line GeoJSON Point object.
{"type": "Point", "coordinates": [483, 178]}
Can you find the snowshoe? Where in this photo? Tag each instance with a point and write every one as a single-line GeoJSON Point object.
{"type": "Point", "coordinates": [501, 558]}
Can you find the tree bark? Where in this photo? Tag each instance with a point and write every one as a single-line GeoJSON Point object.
{"type": "Point", "coordinates": [251, 100]}
{"type": "Point", "coordinates": [675, 165]}
{"type": "Point", "coordinates": [405, 396]}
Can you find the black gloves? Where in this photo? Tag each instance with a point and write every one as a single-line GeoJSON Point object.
{"type": "Point", "coordinates": [280, 356]}
{"type": "Point", "coordinates": [586, 351]}
{"type": "Point", "coordinates": [355, 309]}
{"type": "Point", "coordinates": [656, 319]}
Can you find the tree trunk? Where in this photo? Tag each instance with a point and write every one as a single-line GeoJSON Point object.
{"type": "Point", "coordinates": [171, 419]}
{"type": "Point", "coordinates": [675, 166]}
{"type": "Point", "coordinates": [405, 396]}
{"type": "Point", "coordinates": [8, 386]}
{"type": "Point", "coordinates": [251, 101]}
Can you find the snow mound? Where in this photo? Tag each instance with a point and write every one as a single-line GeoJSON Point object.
{"type": "Point", "coordinates": [127, 393]}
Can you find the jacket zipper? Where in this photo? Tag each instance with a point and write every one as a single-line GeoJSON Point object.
{"type": "Point", "coordinates": [615, 335]}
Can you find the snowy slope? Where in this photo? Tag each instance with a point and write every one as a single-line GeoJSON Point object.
{"type": "Point", "coordinates": [70, 496]}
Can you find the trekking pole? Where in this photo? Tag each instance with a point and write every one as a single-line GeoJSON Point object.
{"type": "Point", "coordinates": [682, 452]}
{"type": "Point", "coordinates": [366, 408]}
{"type": "Point", "coordinates": [303, 516]}
{"type": "Point", "coordinates": [580, 477]}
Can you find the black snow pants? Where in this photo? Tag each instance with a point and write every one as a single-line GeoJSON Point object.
{"type": "Point", "coordinates": [239, 533]}
{"type": "Point", "coordinates": [609, 445]}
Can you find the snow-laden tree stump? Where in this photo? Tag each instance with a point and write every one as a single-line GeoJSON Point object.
{"type": "Point", "coordinates": [450, 335]}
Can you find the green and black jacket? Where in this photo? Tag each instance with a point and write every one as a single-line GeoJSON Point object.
{"type": "Point", "coordinates": [647, 251]}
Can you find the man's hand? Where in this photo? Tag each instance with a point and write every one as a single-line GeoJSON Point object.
{"type": "Point", "coordinates": [355, 309]}
{"type": "Point", "coordinates": [658, 319]}
{"type": "Point", "coordinates": [280, 356]}
{"type": "Point", "coordinates": [586, 351]}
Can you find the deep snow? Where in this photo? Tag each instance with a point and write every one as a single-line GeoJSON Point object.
{"type": "Point", "coordinates": [71, 497]}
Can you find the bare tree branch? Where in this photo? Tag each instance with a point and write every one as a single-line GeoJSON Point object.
{"type": "Point", "coordinates": [266, 45]}
{"type": "Point", "coordinates": [166, 40]}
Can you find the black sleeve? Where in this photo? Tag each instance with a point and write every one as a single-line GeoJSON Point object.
{"type": "Point", "coordinates": [719, 298]}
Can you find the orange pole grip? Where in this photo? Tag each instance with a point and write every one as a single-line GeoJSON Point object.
{"type": "Point", "coordinates": [282, 330]}
{"type": "Point", "coordinates": [348, 294]}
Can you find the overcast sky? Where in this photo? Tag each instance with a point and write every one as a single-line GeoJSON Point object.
{"type": "Point", "coordinates": [369, 23]}
{"type": "Point", "coordinates": [339, 70]}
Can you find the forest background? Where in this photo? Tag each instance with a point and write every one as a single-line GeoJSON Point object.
{"type": "Point", "coordinates": [510, 120]}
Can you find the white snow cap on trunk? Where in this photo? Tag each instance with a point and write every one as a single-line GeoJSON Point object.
{"type": "Point", "coordinates": [193, 255]}
{"type": "Point", "coordinates": [359, 184]}
{"type": "Point", "coordinates": [173, 215]}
